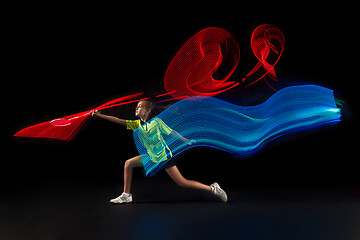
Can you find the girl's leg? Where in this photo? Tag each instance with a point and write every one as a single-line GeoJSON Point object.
{"type": "Point", "coordinates": [128, 171]}
{"type": "Point", "coordinates": [175, 174]}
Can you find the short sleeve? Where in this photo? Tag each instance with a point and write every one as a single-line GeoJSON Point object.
{"type": "Point", "coordinates": [132, 124]}
{"type": "Point", "coordinates": [165, 129]}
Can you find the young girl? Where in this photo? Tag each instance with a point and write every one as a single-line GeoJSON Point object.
{"type": "Point", "coordinates": [144, 111]}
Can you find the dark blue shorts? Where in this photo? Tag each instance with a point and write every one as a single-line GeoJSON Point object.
{"type": "Point", "coordinates": [170, 163]}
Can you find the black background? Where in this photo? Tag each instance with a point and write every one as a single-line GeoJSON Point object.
{"type": "Point", "coordinates": [64, 60]}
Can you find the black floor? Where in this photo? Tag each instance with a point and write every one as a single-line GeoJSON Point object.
{"type": "Point", "coordinates": [81, 210]}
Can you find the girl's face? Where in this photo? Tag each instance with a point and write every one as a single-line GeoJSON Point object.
{"type": "Point", "coordinates": [141, 110]}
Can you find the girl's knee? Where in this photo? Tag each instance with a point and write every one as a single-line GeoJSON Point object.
{"type": "Point", "coordinates": [132, 163]}
{"type": "Point", "coordinates": [128, 164]}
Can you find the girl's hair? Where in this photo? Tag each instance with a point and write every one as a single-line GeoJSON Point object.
{"type": "Point", "coordinates": [149, 104]}
{"type": "Point", "coordinates": [155, 109]}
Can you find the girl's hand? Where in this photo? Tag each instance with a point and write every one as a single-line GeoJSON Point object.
{"type": "Point", "coordinates": [95, 113]}
{"type": "Point", "coordinates": [191, 142]}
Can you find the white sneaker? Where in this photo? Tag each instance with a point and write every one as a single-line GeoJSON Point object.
{"type": "Point", "coordinates": [216, 190]}
{"type": "Point", "coordinates": [123, 198]}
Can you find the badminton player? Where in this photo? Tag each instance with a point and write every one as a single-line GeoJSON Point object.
{"type": "Point", "coordinates": [144, 111]}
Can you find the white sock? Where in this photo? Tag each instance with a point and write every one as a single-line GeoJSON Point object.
{"type": "Point", "coordinates": [126, 194]}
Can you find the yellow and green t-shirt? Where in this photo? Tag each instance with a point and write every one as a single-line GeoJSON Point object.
{"type": "Point", "coordinates": [150, 135]}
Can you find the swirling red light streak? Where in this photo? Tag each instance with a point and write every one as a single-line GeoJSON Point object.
{"type": "Point", "coordinates": [267, 43]}
{"type": "Point", "coordinates": [202, 66]}
{"type": "Point", "coordinates": [191, 72]}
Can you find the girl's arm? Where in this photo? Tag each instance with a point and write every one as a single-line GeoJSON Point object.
{"type": "Point", "coordinates": [109, 118]}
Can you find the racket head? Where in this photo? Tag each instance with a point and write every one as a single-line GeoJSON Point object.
{"type": "Point", "coordinates": [60, 122]}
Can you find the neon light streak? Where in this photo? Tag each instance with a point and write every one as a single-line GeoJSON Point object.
{"type": "Point", "coordinates": [267, 43]}
{"type": "Point", "coordinates": [241, 130]}
{"type": "Point", "coordinates": [192, 70]}
{"type": "Point", "coordinates": [65, 128]}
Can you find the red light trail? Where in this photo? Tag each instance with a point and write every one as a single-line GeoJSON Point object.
{"type": "Point", "coordinates": [267, 43]}
{"type": "Point", "coordinates": [191, 72]}
{"type": "Point", "coordinates": [209, 53]}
